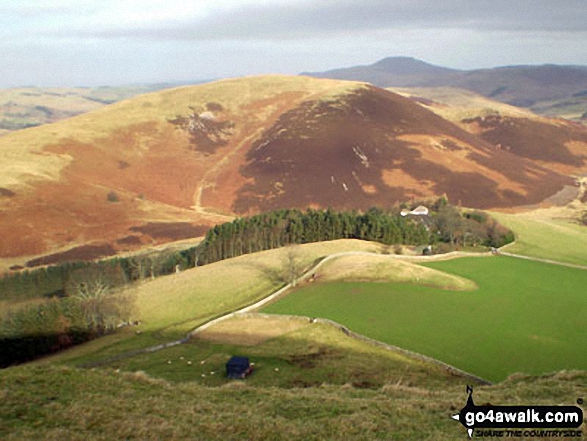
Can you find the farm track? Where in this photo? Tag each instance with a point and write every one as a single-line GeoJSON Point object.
{"type": "Point", "coordinates": [250, 308]}
{"type": "Point", "coordinates": [537, 259]}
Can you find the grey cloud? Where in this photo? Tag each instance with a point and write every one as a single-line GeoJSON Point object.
{"type": "Point", "coordinates": [310, 20]}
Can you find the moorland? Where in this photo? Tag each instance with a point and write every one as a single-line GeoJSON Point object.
{"type": "Point", "coordinates": [139, 238]}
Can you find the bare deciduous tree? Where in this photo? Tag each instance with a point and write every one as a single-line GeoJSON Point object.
{"type": "Point", "coordinates": [197, 252]}
{"type": "Point", "coordinates": [139, 268]}
{"type": "Point", "coordinates": [292, 264]}
{"type": "Point", "coordinates": [96, 288]}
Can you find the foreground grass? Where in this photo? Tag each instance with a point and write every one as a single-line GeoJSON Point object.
{"type": "Point", "coordinates": [57, 403]}
{"type": "Point", "coordinates": [548, 234]}
{"type": "Point", "coordinates": [525, 317]}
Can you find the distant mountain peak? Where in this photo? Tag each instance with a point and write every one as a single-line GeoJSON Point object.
{"type": "Point", "coordinates": [406, 66]}
{"type": "Point", "coordinates": [398, 60]}
{"type": "Point", "coordinates": [519, 85]}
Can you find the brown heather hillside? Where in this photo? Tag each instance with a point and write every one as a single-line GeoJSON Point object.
{"type": "Point", "coordinates": [560, 145]}
{"type": "Point", "coordinates": [557, 144]}
{"type": "Point", "coordinates": [164, 166]}
{"type": "Point", "coordinates": [372, 147]}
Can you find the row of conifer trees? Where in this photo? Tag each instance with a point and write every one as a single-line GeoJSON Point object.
{"type": "Point", "coordinates": [285, 227]}
{"type": "Point", "coordinates": [273, 230]}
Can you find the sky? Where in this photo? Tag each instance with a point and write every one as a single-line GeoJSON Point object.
{"type": "Point", "coordinates": [115, 42]}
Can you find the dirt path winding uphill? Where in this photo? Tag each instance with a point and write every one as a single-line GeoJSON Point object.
{"type": "Point", "coordinates": [204, 154]}
{"type": "Point", "coordinates": [208, 180]}
{"type": "Point", "coordinates": [536, 259]}
{"type": "Point", "coordinates": [253, 129]}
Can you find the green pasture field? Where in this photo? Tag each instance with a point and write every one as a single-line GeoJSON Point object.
{"type": "Point", "coordinates": [542, 235]}
{"type": "Point", "coordinates": [527, 317]}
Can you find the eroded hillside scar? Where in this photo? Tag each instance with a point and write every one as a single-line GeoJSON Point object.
{"type": "Point", "coordinates": [208, 129]}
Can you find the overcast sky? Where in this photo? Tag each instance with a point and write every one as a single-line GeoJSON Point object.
{"type": "Point", "coordinates": [112, 42]}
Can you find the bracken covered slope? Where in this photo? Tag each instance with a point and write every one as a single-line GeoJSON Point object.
{"type": "Point", "coordinates": [557, 144]}
{"type": "Point", "coordinates": [165, 166]}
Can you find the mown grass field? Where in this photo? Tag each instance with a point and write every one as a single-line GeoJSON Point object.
{"type": "Point", "coordinates": [548, 234]}
{"type": "Point", "coordinates": [58, 403]}
{"type": "Point", "coordinates": [525, 317]}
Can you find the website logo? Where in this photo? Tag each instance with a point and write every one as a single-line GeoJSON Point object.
{"type": "Point", "coordinates": [508, 421]}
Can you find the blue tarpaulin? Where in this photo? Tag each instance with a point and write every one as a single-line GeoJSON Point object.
{"type": "Point", "coordinates": [238, 367]}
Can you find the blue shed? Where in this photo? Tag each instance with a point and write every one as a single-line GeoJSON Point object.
{"type": "Point", "coordinates": [238, 367]}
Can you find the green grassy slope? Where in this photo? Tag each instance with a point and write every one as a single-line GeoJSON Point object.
{"type": "Point", "coordinates": [545, 236]}
{"type": "Point", "coordinates": [310, 356]}
{"type": "Point", "coordinates": [524, 317]}
{"type": "Point", "coordinates": [57, 403]}
{"type": "Point", "coordinates": [169, 307]}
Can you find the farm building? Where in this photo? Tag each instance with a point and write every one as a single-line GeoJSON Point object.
{"type": "Point", "coordinates": [420, 210]}
{"type": "Point", "coordinates": [238, 367]}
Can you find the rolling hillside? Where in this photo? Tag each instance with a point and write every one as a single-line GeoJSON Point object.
{"type": "Point", "coordinates": [25, 107]}
{"type": "Point", "coordinates": [165, 166]}
{"type": "Point", "coordinates": [57, 403]}
{"type": "Point", "coordinates": [457, 104]}
{"type": "Point", "coordinates": [554, 143]}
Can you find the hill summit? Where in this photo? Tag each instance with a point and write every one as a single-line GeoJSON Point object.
{"type": "Point", "coordinates": [166, 165]}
